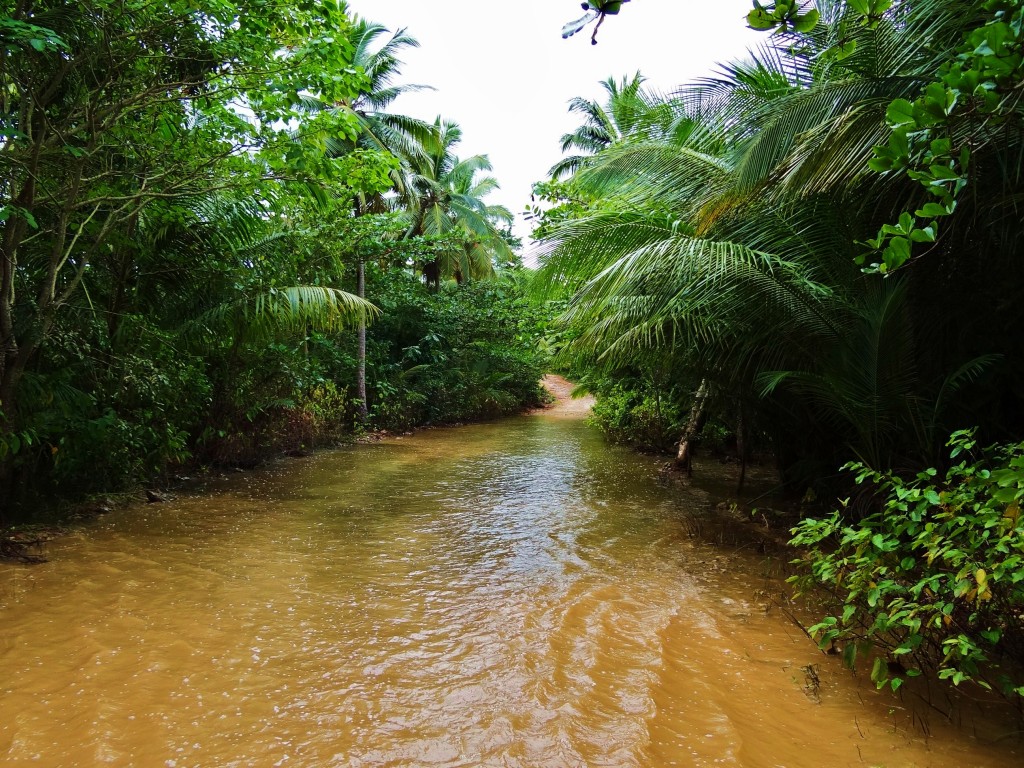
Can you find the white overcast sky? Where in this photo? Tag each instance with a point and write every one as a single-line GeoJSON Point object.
{"type": "Point", "coordinates": [502, 71]}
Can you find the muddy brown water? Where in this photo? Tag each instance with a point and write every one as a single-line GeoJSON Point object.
{"type": "Point", "coordinates": [516, 594]}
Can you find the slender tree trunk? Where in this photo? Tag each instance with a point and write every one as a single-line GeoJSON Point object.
{"type": "Point", "coordinates": [657, 415]}
{"type": "Point", "coordinates": [741, 444]}
{"type": "Point", "coordinates": [361, 368]}
{"type": "Point", "coordinates": [8, 341]}
{"type": "Point", "coordinates": [694, 425]}
{"type": "Point", "coordinates": [122, 262]}
{"type": "Point", "coordinates": [10, 351]}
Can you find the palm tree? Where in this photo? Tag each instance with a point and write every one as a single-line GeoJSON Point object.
{"type": "Point", "coordinates": [407, 138]}
{"type": "Point", "coordinates": [627, 111]}
{"type": "Point", "coordinates": [204, 273]}
{"type": "Point", "coordinates": [379, 129]}
{"type": "Point", "coordinates": [402, 136]}
{"type": "Point", "coordinates": [450, 191]}
{"type": "Point", "coordinates": [732, 244]}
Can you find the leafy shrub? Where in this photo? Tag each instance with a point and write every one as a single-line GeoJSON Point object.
{"type": "Point", "coordinates": [637, 417]}
{"type": "Point", "coordinates": [935, 579]}
{"type": "Point", "coordinates": [465, 352]}
{"type": "Point", "coordinates": [277, 397]}
{"type": "Point", "coordinates": [105, 418]}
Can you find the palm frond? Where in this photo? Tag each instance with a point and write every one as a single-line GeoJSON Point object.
{"type": "Point", "coordinates": [276, 311]}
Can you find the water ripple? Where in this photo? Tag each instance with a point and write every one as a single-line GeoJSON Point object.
{"type": "Point", "coordinates": [514, 595]}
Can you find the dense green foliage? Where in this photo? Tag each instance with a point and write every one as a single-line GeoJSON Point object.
{"type": "Point", "coordinates": [935, 578]}
{"type": "Point", "coordinates": [465, 353]}
{"type": "Point", "coordinates": [718, 232]}
{"type": "Point", "coordinates": [189, 196]}
{"type": "Point", "coordinates": [640, 415]}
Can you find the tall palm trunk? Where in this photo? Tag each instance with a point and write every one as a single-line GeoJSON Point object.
{"type": "Point", "coordinates": [361, 355]}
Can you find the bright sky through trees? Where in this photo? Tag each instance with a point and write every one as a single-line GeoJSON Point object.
{"type": "Point", "coordinates": [506, 77]}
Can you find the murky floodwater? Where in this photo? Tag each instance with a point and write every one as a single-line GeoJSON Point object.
{"type": "Point", "coordinates": [516, 594]}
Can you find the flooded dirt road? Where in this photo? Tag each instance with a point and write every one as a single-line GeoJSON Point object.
{"type": "Point", "coordinates": [516, 594]}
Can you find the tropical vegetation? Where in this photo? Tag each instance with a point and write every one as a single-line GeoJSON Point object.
{"type": "Point", "coordinates": [218, 242]}
{"type": "Point", "coordinates": [935, 577]}
{"type": "Point", "coordinates": [814, 255]}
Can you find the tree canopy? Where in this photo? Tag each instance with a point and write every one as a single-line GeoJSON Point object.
{"type": "Point", "coordinates": [188, 197]}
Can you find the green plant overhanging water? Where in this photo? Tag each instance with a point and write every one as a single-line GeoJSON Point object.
{"type": "Point", "coordinates": [264, 313]}
{"type": "Point", "coordinates": [933, 581]}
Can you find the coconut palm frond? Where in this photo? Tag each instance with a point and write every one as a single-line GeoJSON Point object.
{"type": "Point", "coordinates": [267, 314]}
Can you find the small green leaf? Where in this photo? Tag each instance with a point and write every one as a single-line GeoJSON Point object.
{"type": "Point", "coordinates": [897, 253]}
{"type": "Point", "coordinates": [878, 670]}
{"type": "Point", "coordinates": [850, 655]}
{"type": "Point", "coordinates": [992, 635]}
{"type": "Point", "coordinates": [1005, 495]}
{"type": "Point", "coordinates": [931, 210]}
{"type": "Point", "coordinates": [943, 173]}
{"type": "Point", "coordinates": [760, 19]}
{"type": "Point", "coordinates": [880, 164]}
{"type": "Point", "coordinates": [845, 49]}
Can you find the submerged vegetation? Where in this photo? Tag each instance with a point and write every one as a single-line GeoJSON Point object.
{"type": "Point", "coordinates": [814, 255]}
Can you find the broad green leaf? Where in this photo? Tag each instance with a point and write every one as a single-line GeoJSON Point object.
{"type": "Point", "coordinates": [897, 253]}
{"type": "Point", "coordinates": [878, 670]}
{"type": "Point", "coordinates": [1005, 495]}
{"type": "Point", "coordinates": [850, 655]}
{"type": "Point", "coordinates": [806, 22]}
{"type": "Point", "coordinates": [845, 49]}
{"type": "Point", "coordinates": [932, 210]}
{"type": "Point", "coordinates": [761, 20]}
{"type": "Point", "coordinates": [900, 112]}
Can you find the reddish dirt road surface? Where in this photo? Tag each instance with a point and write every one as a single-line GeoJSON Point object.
{"type": "Point", "coordinates": [564, 404]}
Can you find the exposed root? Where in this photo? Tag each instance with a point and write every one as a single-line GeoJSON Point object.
{"type": "Point", "coordinates": [25, 546]}
{"type": "Point", "coordinates": [812, 683]}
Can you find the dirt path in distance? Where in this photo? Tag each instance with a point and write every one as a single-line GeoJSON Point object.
{"type": "Point", "coordinates": [564, 405]}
